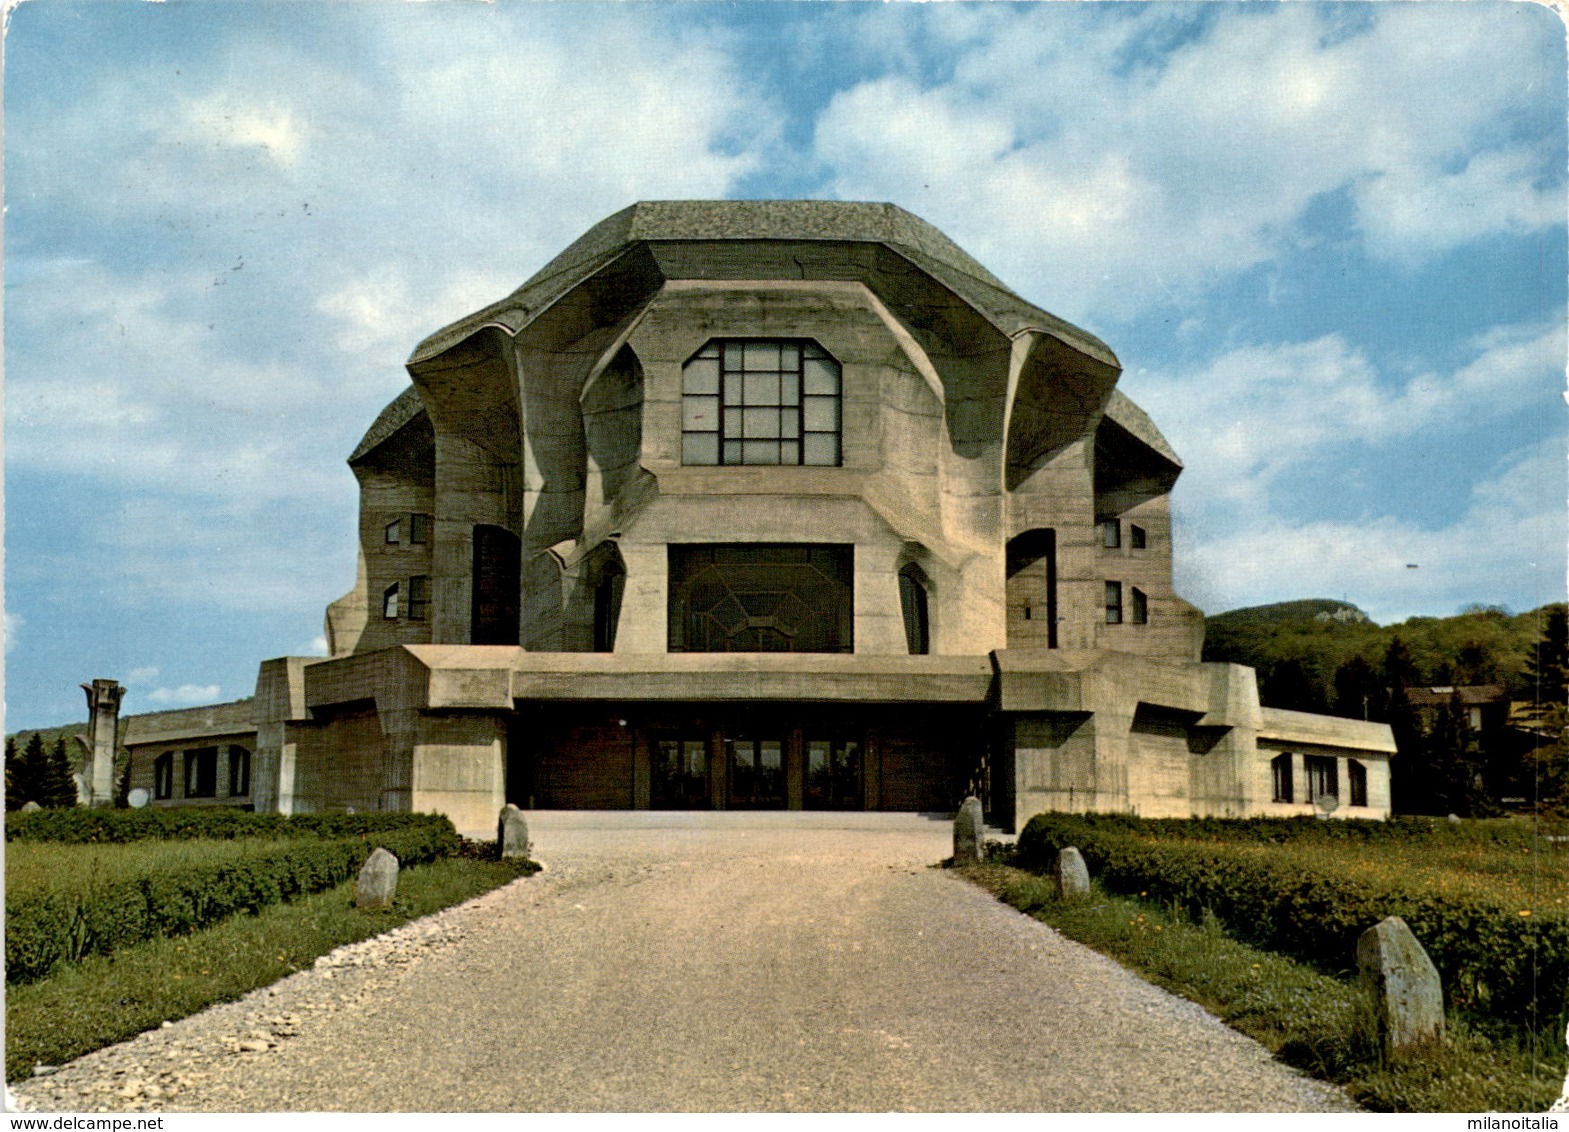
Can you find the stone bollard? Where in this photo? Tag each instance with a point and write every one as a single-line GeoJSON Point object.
{"type": "Point", "coordinates": [378, 882]}
{"type": "Point", "coordinates": [1408, 999]}
{"type": "Point", "coordinates": [968, 823]}
{"type": "Point", "coordinates": [512, 832]}
{"type": "Point", "coordinates": [1072, 875]}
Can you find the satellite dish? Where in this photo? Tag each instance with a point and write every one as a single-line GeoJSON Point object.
{"type": "Point", "coordinates": [1326, 804]}
{"type": "Point", "coordinates": [138, 798]}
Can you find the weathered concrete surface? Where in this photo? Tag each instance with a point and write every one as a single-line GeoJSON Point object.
{"type": "Point", "coordinates": [706, 961]}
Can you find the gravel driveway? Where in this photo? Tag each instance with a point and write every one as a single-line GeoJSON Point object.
{"type": "Point", "coordinates": [752, 962]}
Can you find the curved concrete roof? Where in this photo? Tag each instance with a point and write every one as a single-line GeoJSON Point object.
{"type": "Point", "coordinates": [1124, 412]}
{"type": "Point", "coordinates": [400, 411]}
{"type": "Point", "coordinates": [793, 220]}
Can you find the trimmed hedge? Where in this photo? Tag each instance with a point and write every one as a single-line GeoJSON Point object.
{"type": "Point", "coordinates": [1495, 962]}
{"type": "Point", "coordinates": [81, 917]}
{"type": "Point", "coordinates": [83, 826]}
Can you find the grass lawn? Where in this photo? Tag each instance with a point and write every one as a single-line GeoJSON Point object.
{"type": "Point", "coordinates": [1314, 1021]}
{"type": "Point", "coordinates": [100, 1000]}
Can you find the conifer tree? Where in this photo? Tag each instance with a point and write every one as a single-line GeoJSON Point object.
{"type": "Point", "coordinates": [29, 773]}
{"type": "Point", "coordinates": [122, 787]}
{"type": "Point", "coordinates": [57, 789]}
{"type": "Point", "coordinates": [1547, 668]}
{"type": "Point", "coordinates": [11, 757]}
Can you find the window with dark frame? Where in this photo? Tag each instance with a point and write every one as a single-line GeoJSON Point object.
{"type": "Point", "coordinates": [389, 602]}
{"type": "Point", "coordinates": [1111, 533]}
{"type": "Point", "coordinates": [201, 772]}
{"type": "Point", "coordinates": [761, 401]}
{"type": "Point", "coordinates": [163, 775]}
{"type": "Point", "coordinates": [1114, 603]}
{"type": "Point", "coordinates": [1137, 539]}
{"type": "Point", "coordinates": [239, 771]}
{"type": "Point", "coordinates": [419, 597]}
{"type": "Point", "coordinates": [1280, 777]}
{"type": "Point", "coordinates": [1323, 777]}
{"type": "Point", "coordinates": [1139, 611]}
{"type": "Point", "coordinates": [419, 528]}
{"type": "Point", "coordinates": [833, 775]}
{"type": "Point", "coordinates": [1357, 773]}
{"type": "Point", "coordinates": [913, 602]}
{"type": "Point", "coordinates": [394, 532]}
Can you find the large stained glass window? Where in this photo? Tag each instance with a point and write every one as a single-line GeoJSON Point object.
{"type": "Point", "coordinates": [769, 597]}
{"type": "Point", "coordinates": [761, 401]}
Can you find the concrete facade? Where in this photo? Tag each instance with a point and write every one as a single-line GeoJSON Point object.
{"type": "Point", "coordinates": [780, 504]}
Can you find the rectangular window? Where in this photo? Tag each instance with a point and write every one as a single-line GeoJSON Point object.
{"type": "Point", "coordinates": [239, 772]}
{"type": "Point", "coordinates": [394, 530]}
{"type": "Point", "coordinates": [419, 528]}
{"type": "Point", "coordinates": [1136, 537]}
{"type": "Point", "coordinates": [1280, 776]}
{"type": "Point", "coordinates": [1111, 533]}
{"type": "Point", "coordinates": [389, 602]}
{"type": "Point", "coordinates": [419, 597]}
{"type": "Point", "coordinates": [750, 401]}
{"type": "Point", "coordinates": [201, 772]}
{"type": "Point", "coordinates": [1139, 613]}
{"type": "Point", "coordinates": [1323, 777]}
{"type": "Point", "coordinates": [1358, 775]}
{"type": "Point", "coordinates": [1114, 603]}
{"type": "Point", "coordinates": [163, 775]}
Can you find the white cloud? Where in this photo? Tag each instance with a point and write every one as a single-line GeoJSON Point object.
{"type": "Point", "coordinates": [13, 625]}
{"type": "Point", "coordinates": [146, 674]}
{"type": "Point", "coordinates": [1510, 540]}
{"type": "Point", "coordinates": [186, 695]}
{"type": "Point", "coordinates": [1084, 167]}
{"type": "Point", "coordinates": [1258, 412]}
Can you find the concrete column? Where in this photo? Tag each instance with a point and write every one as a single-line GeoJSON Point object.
{"type": "Point", "coordinates": [103, 730]}
{"type": "Point", "coordinates": [458, 767]}
{"type": "Point", "coordinates": [280, 700]}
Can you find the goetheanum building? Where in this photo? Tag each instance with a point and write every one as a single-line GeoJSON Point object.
{"type": "Point", "coordinates": [776, 504]}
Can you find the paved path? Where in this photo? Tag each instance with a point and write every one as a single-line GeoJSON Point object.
{"type": "Point", "coordinates": [705, 962]}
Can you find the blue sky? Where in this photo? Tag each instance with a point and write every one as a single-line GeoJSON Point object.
{"type": "Point", "coordinates": [1326, 241]}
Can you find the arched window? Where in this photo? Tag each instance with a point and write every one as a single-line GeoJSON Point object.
{"type": "Point", "coordinates": [917, 616]}
{"type": "Point", "coordinates": [761, 401]}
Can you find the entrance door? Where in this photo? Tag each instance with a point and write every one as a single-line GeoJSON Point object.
{"type": "Point", "coordinates": [757, 776]}
{"type": "Point", "coordinates": [678, 775]}
{"type": "Point", "coordinates": [833, 775]}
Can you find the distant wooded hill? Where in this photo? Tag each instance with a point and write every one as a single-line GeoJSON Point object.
{"type": "Point", "coordinates": [1299, 647]}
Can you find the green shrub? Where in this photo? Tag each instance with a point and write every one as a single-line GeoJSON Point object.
{"type": "Point", "coordinates": [82, 826]}
{"type": "Point", "coordinates": [73, 913]}
{"type": "Point", "coordinates": [1496, 963]}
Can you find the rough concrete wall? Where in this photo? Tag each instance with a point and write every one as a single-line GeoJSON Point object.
{"type": "Point", "coordinates": [459, 768]}
{"type": "Point", "coordinates": [1055, 766]}
{"type": "Point", "coordinates": [386, 497]}
{"type": "Point", "coordinates": [143, 758]}
{"type": "Point", "coordinates": [1377, 765]}
{"type": "Point", "coordinates": [471, 395]}
{"type": "Point", "coordinates": [339, 762]}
